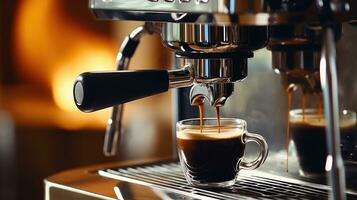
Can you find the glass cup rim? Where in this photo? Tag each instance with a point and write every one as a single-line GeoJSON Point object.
{"type": "Point", "coordinates": [237, 123]}
{"type": "Point", "coordinates": [311, 113]}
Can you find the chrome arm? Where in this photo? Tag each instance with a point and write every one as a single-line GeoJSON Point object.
{"type": "Point", "coordinates": [328, 74]}
{"type": "Point", "coordinates": [180, 77]}
{"type": "Point", "coordinates": [114, 130]}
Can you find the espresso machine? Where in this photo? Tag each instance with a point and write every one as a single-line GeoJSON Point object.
{"type": "Point", "coordinates": [212, 41]}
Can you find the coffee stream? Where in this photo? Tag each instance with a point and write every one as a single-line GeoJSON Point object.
{"type": "Point", "coordinates": [303, 106]}
{"type": "Point", "coordinates": [288, 131]}
{"type": "Point", "coordinates": [303, 110]}
{"type": "Point", "coordinates": [202, 112]}
{"type": "Point", "coordinates": [319, 104]}
{"type": "Point", "coordinates": [218, 114]}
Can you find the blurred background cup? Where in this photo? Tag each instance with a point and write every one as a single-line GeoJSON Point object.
{"type": "Point", "coordinates": [308, 133]}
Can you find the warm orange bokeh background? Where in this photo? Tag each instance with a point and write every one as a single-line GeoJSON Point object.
{"type": "Point", "coordinates": [46, 45]}
{"type": "Point", "coordinates": [51, 49]}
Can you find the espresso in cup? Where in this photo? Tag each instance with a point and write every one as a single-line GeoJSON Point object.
{"type": "Point", "coordinates": [205, 153]}
{"type": "Point", "coordinates": [309, 136]}
{"type": "Point", "coordinates": [212, 157]}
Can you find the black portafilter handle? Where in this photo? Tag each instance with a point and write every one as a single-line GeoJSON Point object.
{"type": "Point", "coordinates": [98, 90]}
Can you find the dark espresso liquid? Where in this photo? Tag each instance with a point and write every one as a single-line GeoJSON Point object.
{"type": "Point", "coordinates": [349, 144]}
{"type": "Point", "coordinates": [303, 106]}
{"type": "Point", "coordinates": [310, 142]}
{"type": "Point", "coordinates": [209, 156]}
{"type": "Point", "coordinates": [319, 104]}
{"type": "Point", "coordinates": [303, 109]}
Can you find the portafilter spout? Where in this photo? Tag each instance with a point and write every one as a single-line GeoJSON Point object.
{"type": "Point", "coordinates": [216, 93]}
{"type": "Point", "coordinates": [214, 75]}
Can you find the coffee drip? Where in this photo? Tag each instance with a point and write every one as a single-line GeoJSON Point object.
{"type": "Point", "coordinates": [287, 137]}
{"type": "Point", "coordinates": [319, 104]}
{"type": "Point", "coordinates": [218, 116]}
{"type": "Point", "coordinates": [319, 109]}
{"type": "Point", "coordinates": [202, 112]}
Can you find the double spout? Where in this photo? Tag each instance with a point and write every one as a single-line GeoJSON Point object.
{"type": "Point", "coordinates": [216, 93]}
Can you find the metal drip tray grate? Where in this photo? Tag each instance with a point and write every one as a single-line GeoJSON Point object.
{"type": "Point", "coordinates": [251, 184]}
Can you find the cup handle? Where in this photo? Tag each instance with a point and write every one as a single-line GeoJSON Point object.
{"type": "Point", "coordinates": [263, 153]}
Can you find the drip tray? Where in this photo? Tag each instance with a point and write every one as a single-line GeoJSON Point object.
{"type": "Point", "coordinates": [251, 184]}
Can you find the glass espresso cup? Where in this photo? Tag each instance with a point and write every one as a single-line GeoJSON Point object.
{"type": "Point", "coordinates": [308, 132]}
{"type": "Point", "coordinates": [213, 157]}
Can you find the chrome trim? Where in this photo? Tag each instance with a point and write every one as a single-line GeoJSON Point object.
{"type": "Point", "coordinates": [216, 70]}
{"type": "Point", "coordinates": [243, 12]}
{"type": "Point", "coordinates": [180, 77]}
{"type": "Point", "coordinates": [329, 84]}
{"type": "Point", "coordinates": [300, 68]}
{"type": "Point", "coordinates": [212, 77]}
{"type": "Point", "coordinates": [251, 184]}
{"type": "Point", "coordinates": [49, 185]}
{"type": "Point", "coordinates": [191, 6]}
{"type": "Point", "coordinates": [213, 38]}
{"type": "Point", "coordinates": [292, 60]}
{"type": "Point", "coordinates": [193, 11]}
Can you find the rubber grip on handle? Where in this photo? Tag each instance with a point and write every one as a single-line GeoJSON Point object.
{"type": "Point", "coordinates": [98, 90]}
